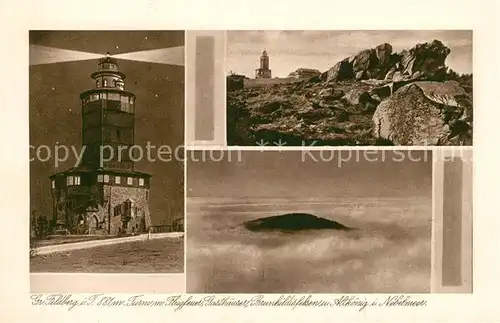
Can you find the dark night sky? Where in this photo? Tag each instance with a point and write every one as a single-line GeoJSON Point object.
{"type": "Point", "coordinates": [285, 174]}
{"type": "Point", "coordinates": [55, 109]}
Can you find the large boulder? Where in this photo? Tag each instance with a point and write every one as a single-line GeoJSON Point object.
{"type": "Point", "coordinates": [356, 97]}
{"type": "Point", "coordinates": [383, 53]}
{"type": "Point", "coordinates": [425, 113]}
{"type": "Point", "coordinates": [386, 60]}
{"type": "Point", "coordinates": [362, 99]}
{"type": "Point", "coordinates": [368, 63]}
{"type": "Point", "coordinates": [341, 71]}
{"type": "Point", "coordinates": [364, 61]}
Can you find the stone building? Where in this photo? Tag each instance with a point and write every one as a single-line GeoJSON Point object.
{"type": "Point", "coordinates": [263, 72]}
{"type": "Point", "coordinates": [304, 73]}
{"type": "Point", "coordinates": [107, 197]}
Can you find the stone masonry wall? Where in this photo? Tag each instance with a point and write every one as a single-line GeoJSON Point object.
{"type": "Point", "coordinates": [139, 197]}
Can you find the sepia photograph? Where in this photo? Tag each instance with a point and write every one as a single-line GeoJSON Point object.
{"type": "Point", "coordinates": [337, 221]}
{"type": "Point", "coordinates": [349, 88]}
{"type": "Point", "coordinates": [105, 108]}
{"type": "Point", "coordinates": [249, 161]}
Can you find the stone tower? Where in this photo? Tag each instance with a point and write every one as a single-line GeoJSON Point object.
{"type": "Point", "coordinates": [104, 194]}
{"type": "Point", "coordinates": [263, 72]}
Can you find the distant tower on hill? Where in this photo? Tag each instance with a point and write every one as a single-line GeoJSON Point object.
{"type": "Point", "coordinates": [263, 72]}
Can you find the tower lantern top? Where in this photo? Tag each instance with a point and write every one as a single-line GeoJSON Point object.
{"type": "Point", "coordinates": [264, 53]}
{"type": "Point", "coordinates": [108, 63]}
{"type": "Point", "coordinates": [108, 74]}
{"type": "Point", "coordinates": [108, 67]}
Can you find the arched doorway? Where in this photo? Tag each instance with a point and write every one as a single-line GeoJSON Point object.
{"type": "Point", "coordinates": [80, 224]}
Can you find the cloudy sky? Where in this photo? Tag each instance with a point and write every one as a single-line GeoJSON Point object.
{"type": "Point", "coordinates": [55, 108]}
{"type": "Point", "coordinates": [292, 174]}
{"type": "Point", "coordinates": [289, 50]}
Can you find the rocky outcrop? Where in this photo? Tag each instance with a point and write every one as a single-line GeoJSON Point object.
{"type": "Point", "coordinates": [341, 71]}
{"type": "Point", "coordinates": [424, 61]}
{"type": "Point", "coordinates": [364, 61]}
{"type": "Point", "coordinates": [375, 97]}
{"type": "Point", "coordinates": [426, 113]}
{"type": "Point", "coordinates": [293, 222]}
{"type": "Point", "coordinates": [383, 53]}
{"type": "Point", "coordinates": [427, 59]}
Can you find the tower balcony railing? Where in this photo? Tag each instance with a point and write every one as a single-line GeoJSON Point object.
{"type": "Point", "coordinates": [176, 227]}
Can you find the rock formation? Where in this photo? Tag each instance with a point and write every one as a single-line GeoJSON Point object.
{"type": "Point", "coordinates": [423, 60]}
{"type": "Point", "coordinates": [293, 222]}
{"type": "Point", "coordinates": [426, 59]}
{"type": "Point", "coordinates": [376, 97]}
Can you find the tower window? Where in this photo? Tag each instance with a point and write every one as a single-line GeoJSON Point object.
{"type": "Point", "coordinates": [106, 178]}
{"type": "Point", "coordinates": [53, 184]}
{"type": "Point", "coordinates": [129, 181]}
{"type": "Point", "coordinates": [97, 83]}
{"type": "Point", "coordinates": [105, 83]}
{"type": "Point", "coordinates": [73, 180]}
{"type": "Point", "coordinates": [100, 178]}
{"type": "Point", "coordinates": [114, 96]}
{"type": "Point", "coordinates": [141, 181]}
{"type": "Point", "coordinates": [117, 179]}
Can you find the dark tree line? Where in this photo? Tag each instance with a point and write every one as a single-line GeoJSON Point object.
{"type": "Point", "coordinates": [464, 79]}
